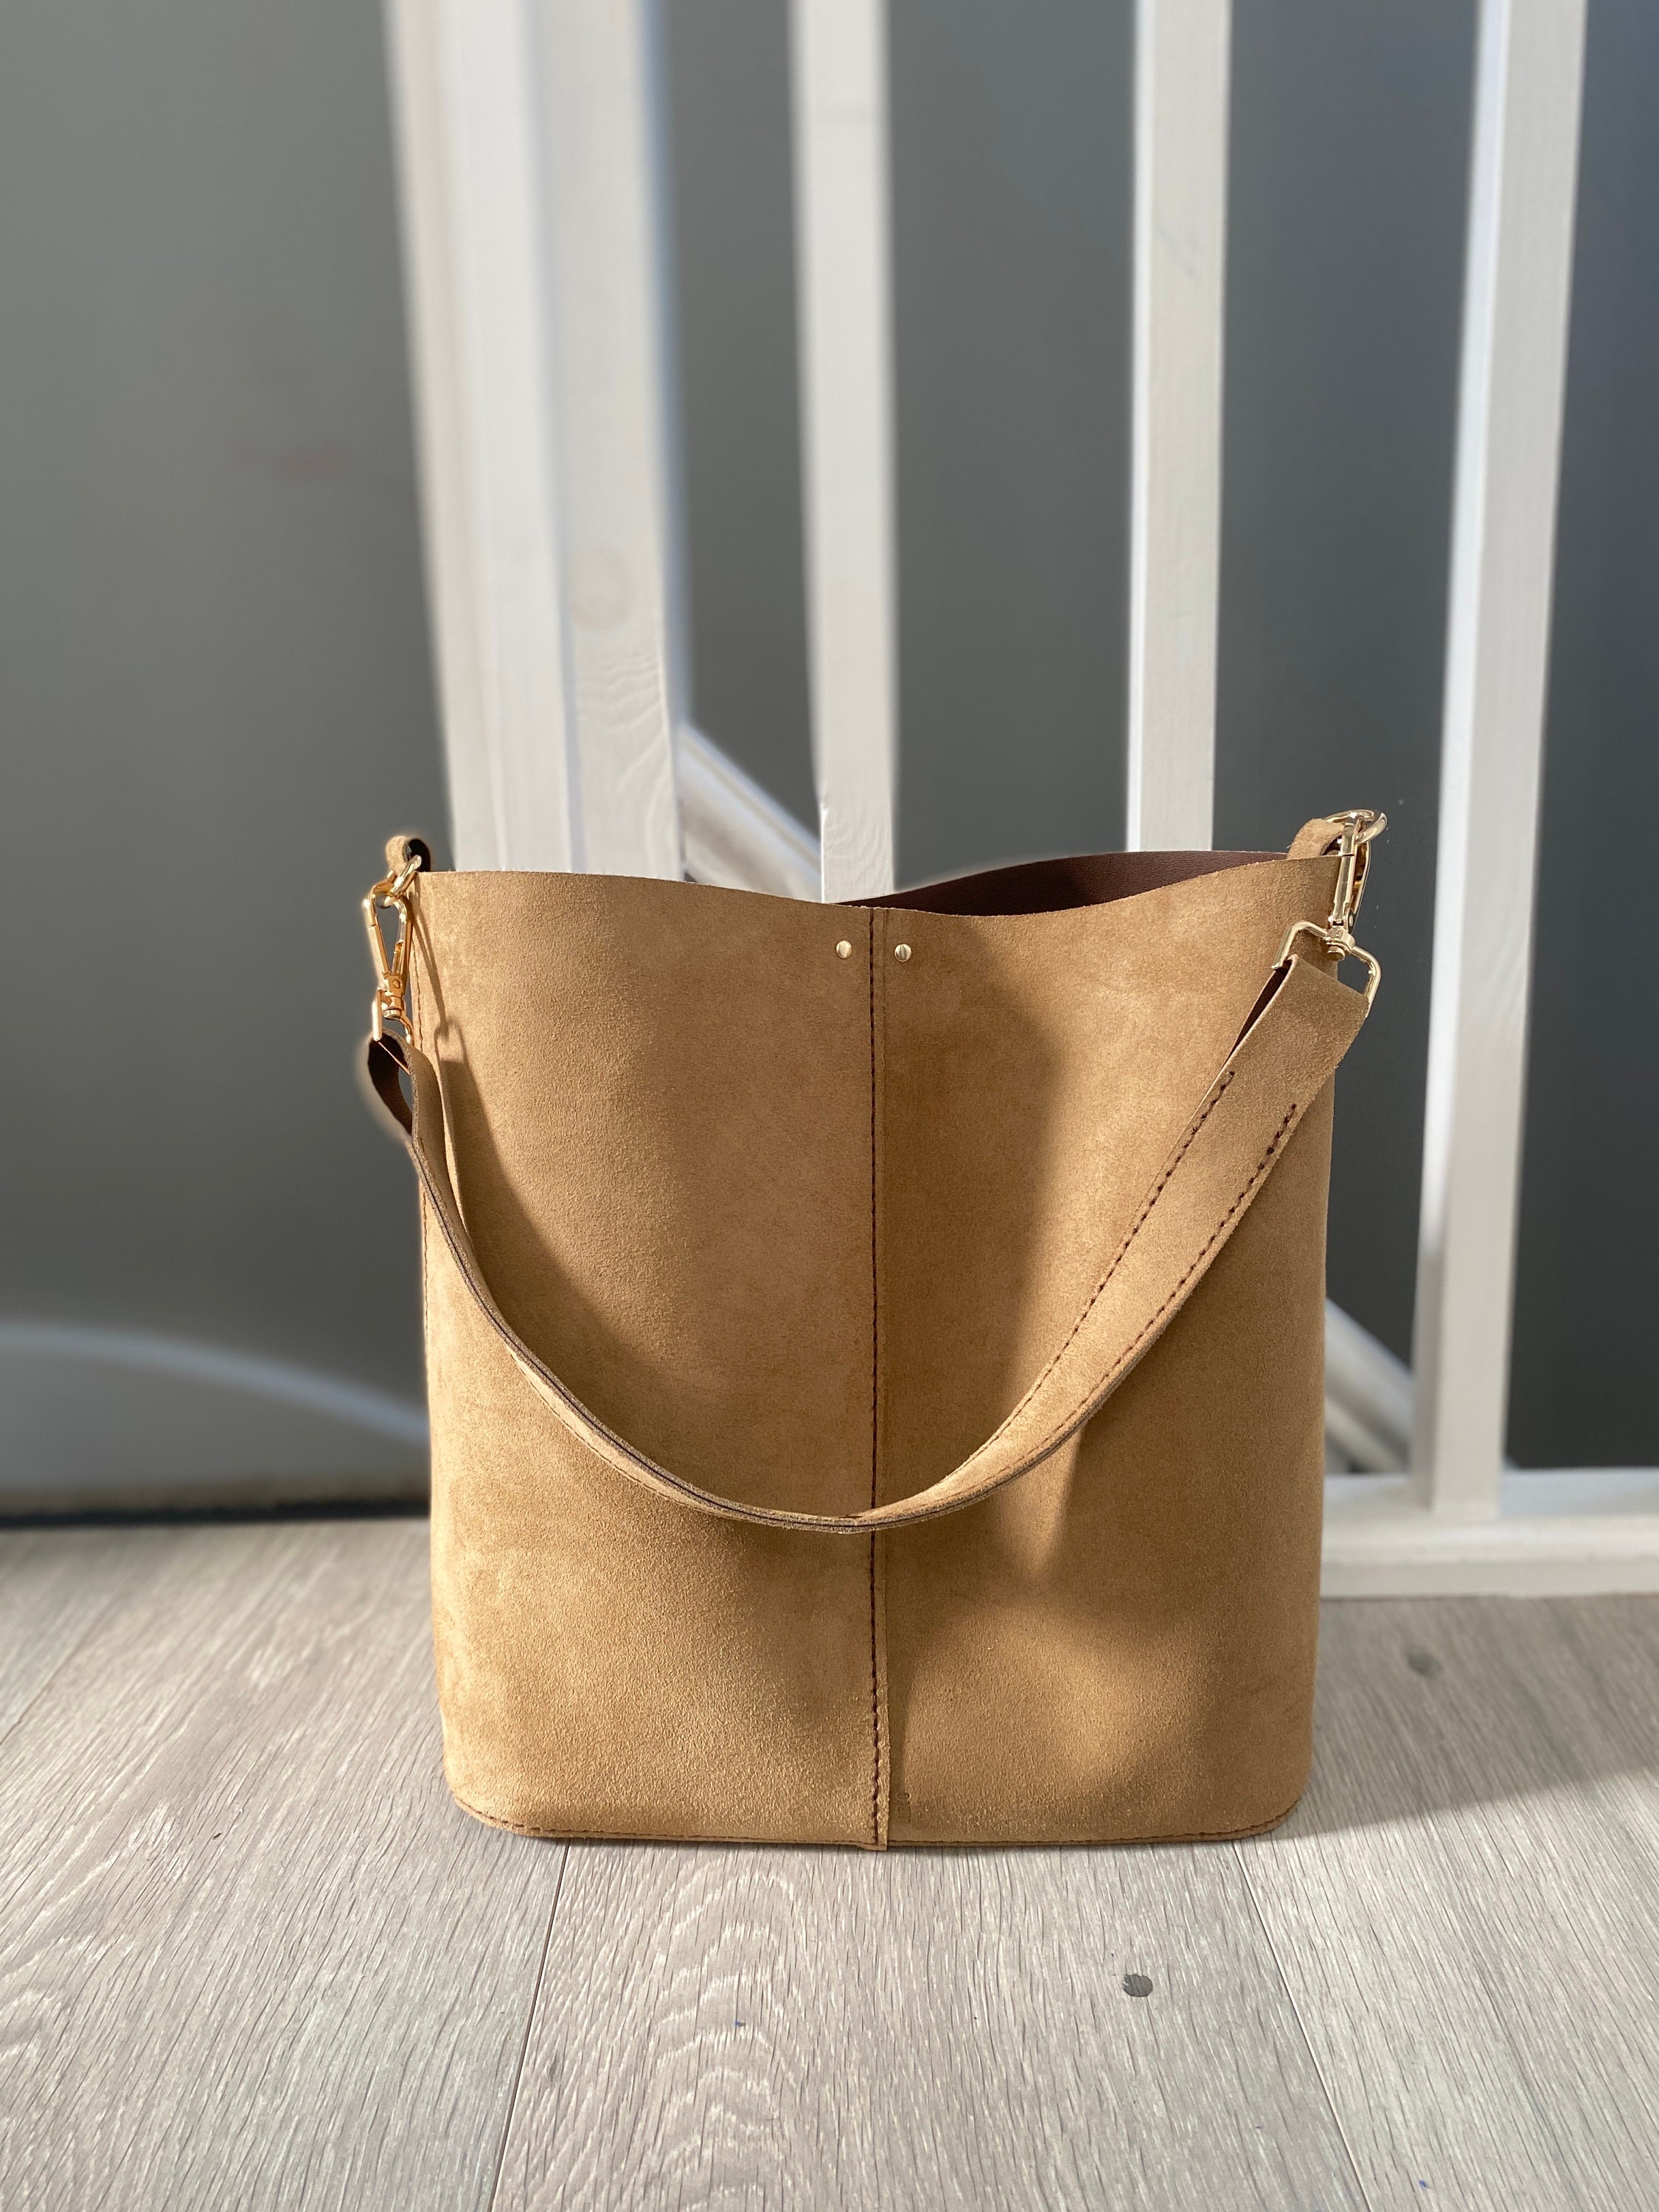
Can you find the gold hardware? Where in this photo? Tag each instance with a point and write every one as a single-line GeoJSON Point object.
{"type": "Point", "coordinates": [391, 969]}
{"type": "Point", "coordinates": [1355, 830]}
{"type": "Point", "coordinates": [901, 952]}
{"type": "Point", "coordinates": [843, 950]}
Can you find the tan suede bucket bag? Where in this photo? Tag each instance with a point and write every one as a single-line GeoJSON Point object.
{"type": "Point", "coordinates": [876, 1352]}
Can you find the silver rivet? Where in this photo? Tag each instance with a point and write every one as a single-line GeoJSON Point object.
{"type": "Point", "coordinates": [901, 952]}
{"type": "Point", "coordinates": [843, 950]}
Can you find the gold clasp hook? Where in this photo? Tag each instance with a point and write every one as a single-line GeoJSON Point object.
{"type": "Point", "coordinates": [390, 1002]}
{"type": "Point", "coordinates": [1355, 830]}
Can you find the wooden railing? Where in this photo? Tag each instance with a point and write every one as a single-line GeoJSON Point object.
{"type": "Point", "coordinates": [532, 176]}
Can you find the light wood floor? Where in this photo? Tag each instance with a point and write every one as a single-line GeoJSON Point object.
{"type": "Point", "coordinates": [250, 1955]}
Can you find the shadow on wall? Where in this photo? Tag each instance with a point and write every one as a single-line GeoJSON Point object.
{"type": "Point", "coordinates": [104, 1419]}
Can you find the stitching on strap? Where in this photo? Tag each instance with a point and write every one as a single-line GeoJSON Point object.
{"type": "Point", "coordinates": [1215, 1236]}
{"type": "Point", "coordinates": [1135, 1228]}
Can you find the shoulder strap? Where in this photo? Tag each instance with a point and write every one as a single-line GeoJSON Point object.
{"type": "Point", "coordinates": [1303, 1023]}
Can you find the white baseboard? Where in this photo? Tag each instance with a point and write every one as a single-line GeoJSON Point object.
{"type": "Point", "coordinates": [114, 1419]}
{"type": "Point", "coordinates": [1589, 1532]}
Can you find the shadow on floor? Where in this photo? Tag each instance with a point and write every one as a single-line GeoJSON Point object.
{"type": "Point", "coordinates": [1427, 1705]}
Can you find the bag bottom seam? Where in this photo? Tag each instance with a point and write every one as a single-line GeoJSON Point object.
{"type": "Point", "coordinates": [924, 1843]}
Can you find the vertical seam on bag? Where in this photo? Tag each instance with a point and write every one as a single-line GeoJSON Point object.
{"type": "Point", "coordinates": [875, 1407]}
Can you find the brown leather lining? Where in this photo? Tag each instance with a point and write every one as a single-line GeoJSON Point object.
{"type": "Point", "coordinates": [1052, 886]}
{"type": "Point", "coordinates": [1035, 886]}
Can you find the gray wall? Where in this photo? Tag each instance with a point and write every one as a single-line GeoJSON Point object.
{"type": "Point", "coordinates": [1349, 164]}
{"type": "Point", "coordinates": [215, 696]}
{"type": "Point", "coordinates": [728, 71]}
{"type": "Point", "coordinates": [1012, 176]}
{"type": "Point", "coordinates": [214, 690]}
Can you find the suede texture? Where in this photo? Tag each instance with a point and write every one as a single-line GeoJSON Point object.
{"type": "Point", "coordinates": [806, 1230]}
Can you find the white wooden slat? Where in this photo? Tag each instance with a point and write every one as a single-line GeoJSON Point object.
{"type": "Point", "coordinates": [530, 157]}
{"type": "Point", "coordinates": [601, 102]}
{"type": "Point", "coordinates": [842, 254]}
{"type": "Point", "coordinates": [1517, 293]}
{"type": "Point", "coordinates": [736, 835]}
{"type": "Point", "coordinates": [1368, 1396]}
{"type": "Point", "coordinates": [1182, 60]}
{"type": "Point", "coordinates": [467, 135]}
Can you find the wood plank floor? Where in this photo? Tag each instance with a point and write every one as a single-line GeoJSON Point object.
{"type": "Point", "coordinates": [250, 1955]}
